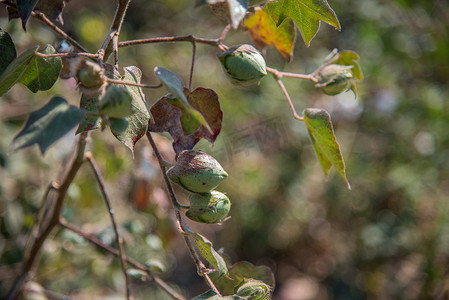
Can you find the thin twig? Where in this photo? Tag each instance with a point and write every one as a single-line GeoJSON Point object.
{"type": "Point", "coordinates": [186, 38]}
{"type": "Point", "coordinates": [158, 281]}
{"type": "Point", "coordinates": [70, 54]}
{"type": "Point", "coordinates": [133, 83]}
{"type": "Point", "coordinates": [48, 223]}
{"type": "Point", "coordinates": [199, 264]}
{"type": "Point", "coordinates": [284, 90]}
{"type": "Point", "coordinates": [114, 32]}
{"type": "Point", "coordinates": [280, 74]}
{"type": "Point", "coordinates": [42, 17]}
{"type": "Point", "coordinates": [193, 64]}
{"type": "Point", "coordinates": [118, 238]}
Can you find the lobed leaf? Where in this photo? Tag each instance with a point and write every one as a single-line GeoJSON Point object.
{"type": "Point", "coordinates": [307, 15]}
{"type": "Point", "coordinates": [264, 32]}
{"type": "Point", "coordinates": [138, 121]}
{"type": "Point", "coordinates": [7, 50]}
{"type": "Point", "coordinates": [205, 248]}
{"type": "Point", "coordinates": [170, 116]}
{"type": "Point", "coordinates": [321, 132]}
{"type": "Point", "coordinates": [35, 72]}
{"type": "Point", "coordinates": [48, 124]}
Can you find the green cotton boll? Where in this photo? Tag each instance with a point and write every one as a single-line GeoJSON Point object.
{"type": "Point", "coordinates": [335, 79]}
{"type": "Point", "coordinates": [243, 64]}
{"type": "Point", "coordinates": [116, 103]}
{"type": "Point", "coordinates": [252, 289]}
{"type": "Point", "coordinates": [209, 208]}
{"type": "Point", "coordinates": [197, 171]}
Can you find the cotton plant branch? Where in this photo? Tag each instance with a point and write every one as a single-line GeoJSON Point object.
{"type": "Point", "coordinates": [43, 18]}
{"type": "Point", "coordinates": [202, 270]}
{"type": "Point", "coordinates": [50, 218]}
{"type": "Point", "coordinates": [114, 32]}
{"type": "Point", "coordinates": [154, 278]}
{"type": "Point", "coordinates": [118, 238]}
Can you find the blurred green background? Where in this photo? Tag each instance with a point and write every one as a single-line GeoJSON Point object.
{"type": "Point", "coordinates": [387, 238]}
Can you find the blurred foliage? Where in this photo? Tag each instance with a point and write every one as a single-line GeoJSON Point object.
{"type": "Point", "coordinates": [385, 239]}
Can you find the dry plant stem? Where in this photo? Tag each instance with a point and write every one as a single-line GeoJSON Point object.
{"type": "Point", "coordinates": [157, 280]}
{"type": "Point", "coordinates": [50, 220]}
{"type": "Point", "coordinates": [279, 74]}
{"type": "Point", "coordinates": [118, 238]}
{"type": "Point", "coordinates": [114, 32]}
{"type": "Point", "coordinates": [186, 38]}
{"type": "Point", "coordinates": [200, 266]}
{"type": "Point", "coordinates": [284, 90]}
{"type": "Point", "coordinates": [59, 31]}
{"type": "Point", "coordinates": [72, 54]}
{"type": "Point", "coordinates": [193, 64]}
{"type": "Point", "coordinates": [133, 84]}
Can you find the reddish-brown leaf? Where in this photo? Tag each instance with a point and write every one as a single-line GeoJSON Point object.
{"type": "Point", "coordinates": [170, 116]}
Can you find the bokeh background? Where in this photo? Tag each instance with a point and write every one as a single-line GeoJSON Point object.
{"type": "Point", "coordinates": [387, 238]}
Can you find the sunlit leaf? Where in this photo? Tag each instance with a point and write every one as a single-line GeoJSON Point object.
{"type": "Point", "coordinates": [25, 7]}
{"type": "Point", "coordinates": [48, 124]}
{"type": "Point", "coordinates": [205, 248]}
{"type": "Point", "coordinates": [7, 50]}
{"type": "Point", "coordinates": [174, 83]}
{"type": "Point", "coordinates": [138, 121]}
{"type": "Point", "coordinates": [170, 116]}
{"type": "Point", "coordinates": [264, 32]}
{"type": "Point", "coordinates": [306, 14]}
{"type": "Point", "coordinates": [36, 72]}
{"type": "Point", "coordinates": [321, 132]}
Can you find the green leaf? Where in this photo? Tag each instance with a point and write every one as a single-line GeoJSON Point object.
{"type": "Point", "coordinates": [138, 121]}
{"type": "Point", "coordinates": [7, 50]}
{"type": "Point", "coordinates": [48, 124]}
{"type": "Point", "coordinates": [306, 14]}
{"type": "Point", "coordinates": [241, 270]}
{"type": "Point", "coordinates": [116, 103]}
{"type": "Point", "coordinates": [25, 7]}
{"type": "Point", "coordinates": [207, 251]}
{"type": "Point", "coordinates": [264, 32]}
{"type": "Point", "coordinates": [174, 83]}
{"type": "Point", "coordinates": [321, 132]}
{"type": "Point", "coordinates": [36, 72]}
